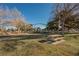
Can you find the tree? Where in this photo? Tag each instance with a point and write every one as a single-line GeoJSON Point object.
{"type": "Point", "coordinates": [52, 25]}
{"type": "Point", "coordinates": [13, 17]}
{"type": "Point", "coordinates": [66, 16]}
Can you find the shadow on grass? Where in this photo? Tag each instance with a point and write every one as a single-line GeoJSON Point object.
{"type": "Point", "coordinates": [77, 54]}
{"type": "Point", "coordinates": [10, 45]}
{"type": "Point", "coordinates": [22, 37]}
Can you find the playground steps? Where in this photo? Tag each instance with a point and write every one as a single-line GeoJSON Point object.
{"type": "Point", "coordinates": [58, 42]}
{"type": "Point", "coordinates": [53, 39]}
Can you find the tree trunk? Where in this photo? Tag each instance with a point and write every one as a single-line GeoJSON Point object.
{"type": "Point", "coordinates": [61, 26]}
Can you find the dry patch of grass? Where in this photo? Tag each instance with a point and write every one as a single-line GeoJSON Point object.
{"type": "Point", "coordinates": [35, 48]}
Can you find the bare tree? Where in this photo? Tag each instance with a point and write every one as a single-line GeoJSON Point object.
{"type": "Point", "coordinates": [12, 17]}
{"type": "Point", "coordinates": [64, 12]}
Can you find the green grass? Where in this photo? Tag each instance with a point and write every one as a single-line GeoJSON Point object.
{"type": "Point", "coordinates": [34, 48]}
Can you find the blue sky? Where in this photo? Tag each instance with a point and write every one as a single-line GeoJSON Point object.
{"type": "Point", "coordinates": [34, 12]}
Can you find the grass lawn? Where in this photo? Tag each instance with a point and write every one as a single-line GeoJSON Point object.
{"type": "Point", "coordinates": [34, 48]}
